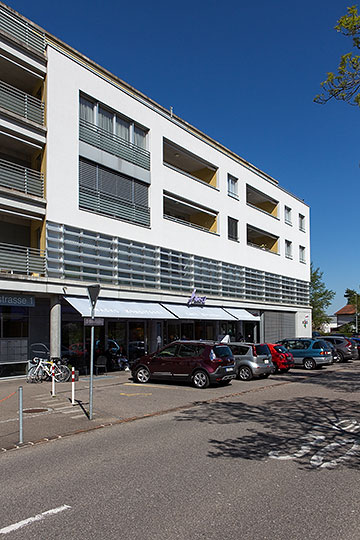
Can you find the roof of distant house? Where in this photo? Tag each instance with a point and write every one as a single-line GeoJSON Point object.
{"type": "Point", "coordinates": [349, 309]}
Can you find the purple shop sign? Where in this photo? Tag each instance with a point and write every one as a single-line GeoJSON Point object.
{"type": "Point", "coordinates": [196, 300]}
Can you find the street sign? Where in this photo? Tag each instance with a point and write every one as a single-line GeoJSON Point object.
{"type": "Point", "coordinates": [97, 321]}
{"type": "Point", "coordinates": [93, 293]}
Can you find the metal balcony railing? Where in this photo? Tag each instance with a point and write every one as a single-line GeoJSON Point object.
{"type": "Point", "coordinates": [16, 101]}
{"type": "Point", "coordinates": [26, 180]}
{"type": "Point", "coordinates": [22, 260]}
{"type": "Point", "coordinates": [21, 30]}
{"type": "Point", "coordinates": [104, 140]}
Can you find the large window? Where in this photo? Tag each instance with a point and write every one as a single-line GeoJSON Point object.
{"type": "Point", "coordinates": [107, 192]}
{"type": "Point", "coordinates": [302, 254]}
{"type": "Point", "coordinates": [302, 222]}
{"type": "Point", "coordinates": [112, 122]}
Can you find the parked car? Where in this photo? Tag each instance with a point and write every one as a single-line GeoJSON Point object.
{"type": "Point", "coordinates": [308, 353]}
{"type": "Point", "coordinates": [335, 354]}
{"type": "Point", "coordinates": [357, 341]}
{"type": "Point", "coordinates": [347, 350]}
{"type": "Point", "coordinates": [252, 360]}
{"type": "Point", "coordinates": [282, 359]}
{"type": "Point", "coordinates": [199, 362]}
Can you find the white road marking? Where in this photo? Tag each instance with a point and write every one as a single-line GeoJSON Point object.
{"type": "Point", "coordinates": [62, 408]}
{"type": "Point", "coordinates": [38, 517]}
{"type": "Point", "coordinates": [78, 416]}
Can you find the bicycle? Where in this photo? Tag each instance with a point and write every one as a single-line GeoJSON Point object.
{"type": "Point", "coordinates": [42, 370]}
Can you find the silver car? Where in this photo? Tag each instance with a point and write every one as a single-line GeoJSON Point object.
{"type": "Point", "coordinates": [252, 360]}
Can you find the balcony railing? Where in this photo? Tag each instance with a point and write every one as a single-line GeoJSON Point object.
{"type": "Point", "coordinates": [16, 101]}
{"type": "Point", "coordinates": [22, 260]}
{"type": "Point", "coordinates": [26, 180]}
{"type": "Point", "coordinates": [107, 205]}
{"type": "Point", "coordinates": [109, 142]}
{"type": "Point", "coordinates": [188, 224]}
{"type": "Point", "coordinates": [21, 30]}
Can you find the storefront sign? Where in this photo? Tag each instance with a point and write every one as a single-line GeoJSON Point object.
{"type": "Point", "coordinates": [17, 300]}
{"type": "Point", "coordinates": [195, 300]}
{"type": "Point", "coordinates": [97, 321]}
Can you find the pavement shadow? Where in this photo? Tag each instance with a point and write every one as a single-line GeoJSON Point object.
{"type": "Point", "coordinates": [312, 431]}
{"type": "Point", "coordinates": [344, 381]}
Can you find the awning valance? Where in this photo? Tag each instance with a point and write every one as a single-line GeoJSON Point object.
{"type": "Point", "coordinates": [119, 309]}
{"type": "Point", "coordinates": [199, 313]}
{"type": "Point", "coordinates": [242, 314]}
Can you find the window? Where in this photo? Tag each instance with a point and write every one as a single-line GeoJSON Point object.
{"type": "Point", "coordinates": [288, 249]}
{"type": "Point", "coordinates": [301, 222]}
{"type": "Point", "coordinates": [168, 352]}
{"type": "Point", "coordinates": [87, 110]}
{"type": "Point", "coordinates": [302, 254]}
{"type": "Point", "coordinates": [233, 229]}
{"type": "Point", "coordinates": [287, 215]}
{"type": "Point", "coordinates": [112, 122]}
{"type": "Point", "coordinates": [233, 186]}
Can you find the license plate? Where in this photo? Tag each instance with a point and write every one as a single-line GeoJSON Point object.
{"type": "Point", "coordinates": [229, 369]}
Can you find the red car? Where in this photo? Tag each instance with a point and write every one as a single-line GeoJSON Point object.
{"type": "Point", "coordinates": [282, 359]}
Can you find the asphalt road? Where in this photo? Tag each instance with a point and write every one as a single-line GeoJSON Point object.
{"type": "Point", "coordinates": [281, 463]}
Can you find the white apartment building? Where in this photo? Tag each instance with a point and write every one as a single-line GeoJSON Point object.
{"type": "Point", "coordinates": [100, 184]}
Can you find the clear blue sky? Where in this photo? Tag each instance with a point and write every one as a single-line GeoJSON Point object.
{"type": "Point", "coordinates": [245, 73]}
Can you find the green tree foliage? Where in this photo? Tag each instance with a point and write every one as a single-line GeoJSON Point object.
{"type": "Point", "coordinates": [320, 298]}
{"type": "Point", "coordinates": [345, 85]}
{"type": "Point", "coordinates": [352, 297]}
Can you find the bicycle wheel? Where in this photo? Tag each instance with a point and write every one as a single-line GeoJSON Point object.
{"type": "Point", "coordinates": [33, 375]}
{"type": "Point", "coordinates": [62, 373]}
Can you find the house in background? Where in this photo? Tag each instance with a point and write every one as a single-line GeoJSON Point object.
{"type": "Point", "coordinates": [346, 315]}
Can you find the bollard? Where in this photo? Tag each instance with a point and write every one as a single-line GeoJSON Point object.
{"type": "Point", "coordinates": [21, 440]}
{"type": "Point", "coordinates": [53, 380]}
{"type": "Point", "coordinates": [73, 386]}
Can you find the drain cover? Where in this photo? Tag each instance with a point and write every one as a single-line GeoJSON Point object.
{"type": "Point", "coordinates": [34, 410]}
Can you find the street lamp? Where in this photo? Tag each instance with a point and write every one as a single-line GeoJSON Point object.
{"type": "Point", "coordinates": [93, 294]}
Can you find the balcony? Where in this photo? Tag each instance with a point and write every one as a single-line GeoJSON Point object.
{"type": "Point", "coordinates": [187, 163]}
{"type": "Point", "coordinates": [261, 201]}
{"type": "Point", "coordinates": [113, 144]}
{"type": "Point", "coordinates": [16, 101]}
{"type": "Point", "coordinates": [28, 181]}
{"type": "Point", "coordinates": [190, 214]}
{"type": "Point", "coordinates": [262, 240]}
{"type": "Point", "coordinates": [21, 31]}
{"type": "Point", "coordinates": [22, 260]}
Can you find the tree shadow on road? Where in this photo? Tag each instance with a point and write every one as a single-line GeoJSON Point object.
{"type": "Point", "coordinates": [346, 380]}
{"type": "Point", "coordinates": [314, 432]}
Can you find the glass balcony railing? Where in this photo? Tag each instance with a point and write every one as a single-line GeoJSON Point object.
{"type": "Point", "coordinates": [20, 30]}
{"type": "Point", "coordinates": [28, 181]}
{"type": "Point", "coordinates": [109, 142]}
{"type": "Point", "coordinates": [22, 260]}
{"type": "Point", "coordinates": [16, 101]}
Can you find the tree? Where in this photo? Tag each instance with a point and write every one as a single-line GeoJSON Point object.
{"type": "Point", "coordinates": [345, 85]}
{"type": "Point", "coordinates": [352, 297]}
{"type": "Point", "coordinates": [320, 298]}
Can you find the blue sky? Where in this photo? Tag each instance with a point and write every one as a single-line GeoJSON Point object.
{"type": "Point", "coordinates": [245, 73]}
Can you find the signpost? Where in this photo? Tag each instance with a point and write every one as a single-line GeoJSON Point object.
{"type": "Point", "coordinates": [93, 293]}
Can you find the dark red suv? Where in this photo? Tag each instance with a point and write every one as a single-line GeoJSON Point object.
{"type": "Point", "coordinates": [199, 362]}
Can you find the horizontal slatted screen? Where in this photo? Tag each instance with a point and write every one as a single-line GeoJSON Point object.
{"type": "Point", "coordinates": [85, 255]}
{"type": "Point", "coordinates": [109, 193]}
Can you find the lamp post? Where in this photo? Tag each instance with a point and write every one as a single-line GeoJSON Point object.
{"type": "Point", "coordinates": [93, 293]}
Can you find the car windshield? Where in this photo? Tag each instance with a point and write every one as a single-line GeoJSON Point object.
{"type": "Point", "coordinates": [222, 351]}
{"type": "Point", "coordinates": [262, 349]}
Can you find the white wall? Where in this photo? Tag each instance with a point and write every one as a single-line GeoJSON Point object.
{"type": "Point", "coordinates": [64, 81]}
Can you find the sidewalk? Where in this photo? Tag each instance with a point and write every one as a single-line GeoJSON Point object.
{"type": "Point", "coordinates": [116, 398]}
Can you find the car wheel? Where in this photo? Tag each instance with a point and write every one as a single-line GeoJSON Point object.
{"type": "Point", "coordinates": [284, 370]}
{"type": "Point", "coordinates": [341, 356]}
{"type": "Point", "coordinates": [245, 373]}
{"type": "Point", "coordinates": [309, 363]}
{"type": "Point", "coordinates": [142, 375]}
{"type": "Point", "coordinates": [276, 370]}
{"type": "Point", "coordinates": [201, 379]}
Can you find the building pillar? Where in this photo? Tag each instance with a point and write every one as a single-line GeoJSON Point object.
{"type": "Point", "coordinates": [55, 327]}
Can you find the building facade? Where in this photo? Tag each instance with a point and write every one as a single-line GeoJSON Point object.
{"type": "Point", "coordinates": [98, 183]}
